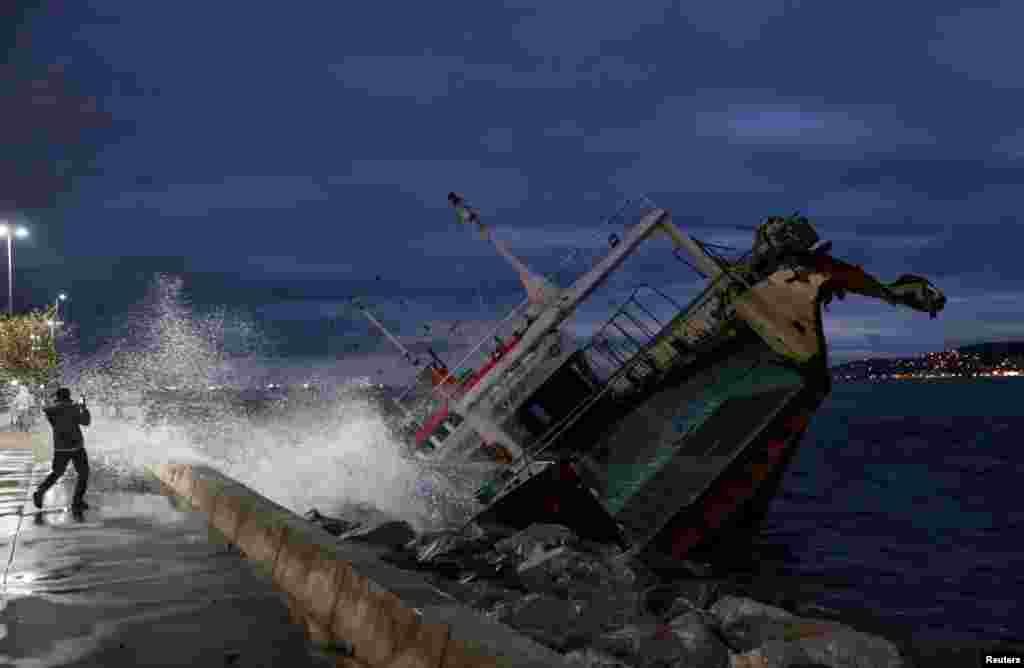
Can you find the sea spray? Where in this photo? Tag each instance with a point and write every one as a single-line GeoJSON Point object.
{"type": "Point", "coordinates": [339, 455]}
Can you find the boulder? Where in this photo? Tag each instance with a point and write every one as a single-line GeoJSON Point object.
{"type": "Point", "coordinates": [819, 644]}
{"type": "Point", "coordinates": [554, 622]}
{"type": "Point", "coordinates": [772, 655]}
{"type": "Point", "coordinates": [669, 600]}
{"type": "Point", "coordinates": [702, 645]}
{"type": "Point", "coordinates": [543, 536]}
{"type": "Point", "coordinates": [563, 570]}
{"type": "Point", "coordinates": [850, 649]}
{"type": "Point", "coordinates": [610, 609]}
{"type": "Point", "coordinates": [590, 658]}
{"type": "Point", "coordinates": [489, 597]}
{"type": "Point", "coordinates": [729, 609]}
{"type": "Point", "coordinates": [686, 641]}
{"type": "Point", "coordinates": [747, 633]}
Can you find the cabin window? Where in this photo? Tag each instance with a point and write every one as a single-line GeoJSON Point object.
{"type": "Point", "coordinates": [446, 427]}
{"type": "Point", "coordinates": [557, 397]}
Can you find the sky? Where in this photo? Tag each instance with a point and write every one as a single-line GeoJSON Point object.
{"type": "Point", "coordinates": [283, 157]}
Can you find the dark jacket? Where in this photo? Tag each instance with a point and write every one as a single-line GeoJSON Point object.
{"type": "Point", "coordinates": [67, 418]}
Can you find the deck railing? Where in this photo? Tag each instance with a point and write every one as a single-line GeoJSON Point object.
{"type": "Point", "coordinates": [628, 370]}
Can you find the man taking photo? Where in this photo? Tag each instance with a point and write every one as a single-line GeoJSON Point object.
{"type": "Point", "coordinates": [67, 419]}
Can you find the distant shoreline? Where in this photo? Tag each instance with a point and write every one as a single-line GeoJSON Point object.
{"type": "Point", "coordinates": [924, 380]}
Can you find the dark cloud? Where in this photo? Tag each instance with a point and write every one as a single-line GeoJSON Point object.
{"type": "Point", "coordinates": [957, 43]}
{"type": "Point", "coordinates": [972, 246]}
{"type": "Point", "coordinates": [301, 152]}
{"type": "Point", "coordinates": [48, 123]}
{"type": "Point", "coordinates": [949, 179]}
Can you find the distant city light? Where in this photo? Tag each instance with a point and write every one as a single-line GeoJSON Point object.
{"type": "Point", "coordinates": [932, 365]}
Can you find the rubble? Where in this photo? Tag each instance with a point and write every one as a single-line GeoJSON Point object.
{"type": "Point", "coordinates": [602, 609]}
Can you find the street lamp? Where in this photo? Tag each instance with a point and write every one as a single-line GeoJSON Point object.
{"type": "Point", "coordinates": [56, 306]}
{"type": "Point", "coordinates": [10, 231]}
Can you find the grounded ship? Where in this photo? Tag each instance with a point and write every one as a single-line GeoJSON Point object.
{"type": "Point", "coordinates": [667, 434]}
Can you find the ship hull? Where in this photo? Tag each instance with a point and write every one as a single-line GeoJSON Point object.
{"type": "Point", "coordinates": [730, 512]}
{"type": "Point", "coordinates": [627, 476]}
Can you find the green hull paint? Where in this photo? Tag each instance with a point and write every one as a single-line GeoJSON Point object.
{"type": "Point", "coordinates": [623, 481]}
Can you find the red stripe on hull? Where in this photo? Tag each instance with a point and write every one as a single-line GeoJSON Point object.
{"type": "Point", "coordinates": [728, 494]}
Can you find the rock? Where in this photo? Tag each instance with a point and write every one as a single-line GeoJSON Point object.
{"type": "Point", "coordinates": [394, 534]}
{"type": "Point", "coordinates": [332, 525]}
{"type": "Point", "coordinates": [696, 568]}
{"type": "Point", "coordinates": [676, 598]}
{"type": "Point", "coordinates": [816, 610]}
{"type": "Point", "coordinates": [564, 570]}
{"type": "Point", "coordinates": [824, 644]}
{"type": "Point", "coordinates": [539, 557]}
{"type": "Point", "coordinates": [544, 536]}
{"type": "Point", "coordinates": [729, 609]}
{"type": "Point", "coordinates": [850, 649]}
{"type": "Point", "coordinates": [610, 609]}
{"type": "Point", "coordinates": [703, 647]}
{"type": "Point", "coordinates": [489, 597]}
{"type": "Point", "coordinates": [687, 641]}
{"type": "Point", "coordinates": [590, 658]}
{"type": "Point", "coordinates": [773, 655]}
{"type": "Point", "coordinates": [550, 621]}
{"type": "Point", "coordinates": [749, 633]}
{"type": "Point", "coordinates": [632, 642]}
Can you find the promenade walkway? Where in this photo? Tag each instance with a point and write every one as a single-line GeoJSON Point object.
{"type": "Point", "coordinates": [133, 581]}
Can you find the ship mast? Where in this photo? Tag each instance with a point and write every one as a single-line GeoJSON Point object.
{"type": "Point", "coordinates": [539, 289]}
{"type": "Point", "coordinates": [406, 353]}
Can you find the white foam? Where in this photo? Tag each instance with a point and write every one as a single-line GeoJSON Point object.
{"type": "Point", "coordinates": [339, 455]}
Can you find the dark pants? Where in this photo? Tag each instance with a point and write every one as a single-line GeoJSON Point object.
{"type": "Point", "coordinates": [60, 464]}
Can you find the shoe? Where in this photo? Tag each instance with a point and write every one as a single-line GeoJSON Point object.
{"type": "Point", "coordinates": [79, 505]}
{"type": "Point", "coordinates": [37, 499]}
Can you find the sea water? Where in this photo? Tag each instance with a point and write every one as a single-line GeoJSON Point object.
{"type": "Point", "coordinates": [907, 497]}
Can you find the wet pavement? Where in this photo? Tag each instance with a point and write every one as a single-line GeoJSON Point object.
{"type": "Point", "coordinates": [131, 581]}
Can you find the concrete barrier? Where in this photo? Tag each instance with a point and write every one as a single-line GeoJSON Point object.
{"type": "Point", "coordinates": [369, 612]}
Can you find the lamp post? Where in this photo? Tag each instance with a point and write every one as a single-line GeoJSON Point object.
{"type": "Point", "coordinates": [56, 308]}
{"type": "Point", "coordinates": [10, 232]}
